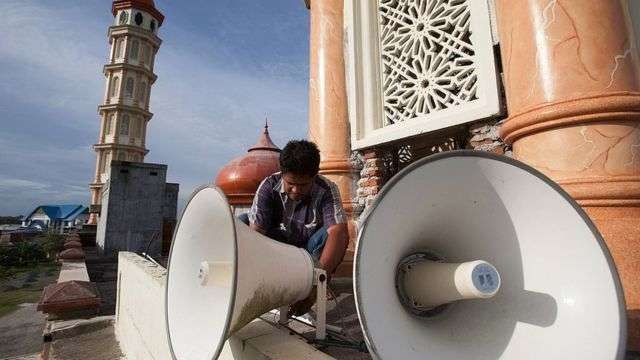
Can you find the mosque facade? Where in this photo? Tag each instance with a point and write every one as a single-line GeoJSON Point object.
{"type": "Point", "coordinates": [556, 86]}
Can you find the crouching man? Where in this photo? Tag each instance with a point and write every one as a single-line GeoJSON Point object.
{"type": "Point", "coordinates": [297, 206]}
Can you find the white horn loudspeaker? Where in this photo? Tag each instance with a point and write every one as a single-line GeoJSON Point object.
{"type": "Point", "coordinates": [468, 255]}
{"type": "Point", "coordinates": [222, 275]}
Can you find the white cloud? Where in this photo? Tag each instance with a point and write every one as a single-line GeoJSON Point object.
{"type": "Point", "coordinates": [41, 173]}
{"type": "Point", "coordinates": [59, 52]}
{"type": "Point", "coordinates": [200, 125]}
{"type": "Point", "coordinates": [207, 109]}
{"type": "Point", "coordinates": [21, 184]}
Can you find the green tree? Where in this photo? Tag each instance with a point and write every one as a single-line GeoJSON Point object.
{"type": "Point", "coordinates": [52, 244]}
{"type": "Point", "coordinates": [22, 254]}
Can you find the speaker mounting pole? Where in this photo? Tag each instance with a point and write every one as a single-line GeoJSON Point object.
{"type": "Point", "coordinates": [320, 281]}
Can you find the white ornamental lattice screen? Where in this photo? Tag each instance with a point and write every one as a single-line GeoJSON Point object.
{"type": "Point", "coordinates": [416, 66]}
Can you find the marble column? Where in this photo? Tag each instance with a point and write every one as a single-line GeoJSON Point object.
{"type": "Point", "coordinates": [572, 81]}
{"type": "Point", "coordinates": [328, 119]}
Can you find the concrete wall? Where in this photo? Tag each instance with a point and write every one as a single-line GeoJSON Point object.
{"type": "Point", "coordinates": [141, 330]}
{"type": "Point", "coordinates": [133, 207]}
{"type": "Point", "coordinates": [170, 209]}
{"type": "Point", "coordinates": [140, 325]}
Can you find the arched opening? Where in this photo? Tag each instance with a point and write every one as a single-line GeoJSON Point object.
{"type": "Point", "coordinates": [109, 125]}
{"type": "Point", "coordinates": [134, 127]}
{"type": "Point", "coordinates": [124, 125]}
{"type": "Point", "coordinates": [148, 55]}
{"type": "Point", "coordinates": [118, 52]}
{"type": "Point", "coordinates": [143, 57]}
{"type": "Point", "coordinates": [128, 90]}
{"type": "Point", "coordinates": [135, 47]}
{"type": "Point", "coordinates": [141, 126]}
{"type": "Point", "coordinates": [124, 17]}
{"type": "Point", "coordinates": [141, 92]}
{"type": "Point", "coordinates": [114, 86]}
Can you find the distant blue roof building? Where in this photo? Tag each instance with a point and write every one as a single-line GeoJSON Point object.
{"type": "Point", "coordinates": [57, 216]}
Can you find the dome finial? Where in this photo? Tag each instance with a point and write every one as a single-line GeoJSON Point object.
{"type": "Point", "coordinates": [264, 141]}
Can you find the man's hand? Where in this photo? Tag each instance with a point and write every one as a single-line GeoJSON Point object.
{"type": "Point", "coordinates": [303, 306]}
{"type": "Point", "coordinates": [334, 248]}
{"type": "Point", "coordinates": [331, 257]}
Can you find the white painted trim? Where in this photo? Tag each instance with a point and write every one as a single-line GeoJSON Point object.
{"type": "Point", "coordinates": [363, 79]}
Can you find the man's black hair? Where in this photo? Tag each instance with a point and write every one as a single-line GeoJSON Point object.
{"type": "Point", "coordinates": [300, 157]}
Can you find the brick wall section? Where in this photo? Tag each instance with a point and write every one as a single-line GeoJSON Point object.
{"type": "Point", "coordinates": [357, 164]}
{"type": "Point", "coordinates": [371, 178]}
{"type": "Point", "coordinates": [481, 136]}
{"type": "Point", "coordinates": [485, 136]}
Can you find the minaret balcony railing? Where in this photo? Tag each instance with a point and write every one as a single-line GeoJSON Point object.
{"type": "Point", "coordinates": [126, 66]}
{"type": "Point", "coordinates": [114, 146]}
{"type": "Point", "coordinates": [122, 107]}
{"type": "Point", "coordinates": [146, 64]}
{"type": "Point", "coordinates": [123, 60]}
{"type": "Point", "coordinates": [120, 30]}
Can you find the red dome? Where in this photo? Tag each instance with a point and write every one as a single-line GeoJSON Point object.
{"type": "Point", "coordinates": [144, 5]}
{"type": "Point", "coordinates": [239, 179]}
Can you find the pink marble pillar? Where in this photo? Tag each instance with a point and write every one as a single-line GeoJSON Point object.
{"type": "Point", "coordinates": [572, 79]}
{"type": "Point", "coordinates": [328, 119]}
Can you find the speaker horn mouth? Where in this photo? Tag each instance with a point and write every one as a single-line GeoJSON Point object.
{"type": "Point", "coordinates": [200, 291]}
{"type": "Point", "coordinates": [471, 205]}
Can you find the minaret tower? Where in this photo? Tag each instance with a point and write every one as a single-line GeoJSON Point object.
{"type": "Point", "coordinates": [124, 113]}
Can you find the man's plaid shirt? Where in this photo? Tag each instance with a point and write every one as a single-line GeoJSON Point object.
{"type": "Point", "coordinates": [293, 222]}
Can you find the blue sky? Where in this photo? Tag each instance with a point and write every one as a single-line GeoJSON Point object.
{"type": "Point", "coordinates": [223, 66]}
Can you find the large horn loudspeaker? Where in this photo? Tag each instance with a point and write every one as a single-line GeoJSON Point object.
{"type": "Point", "coordinates": [467, 255]}
{"type": "Point", "coordinates": [222, 275]}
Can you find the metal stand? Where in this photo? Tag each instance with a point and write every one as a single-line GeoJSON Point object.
{"type": "Point", "coordinates": [283, 315]}
{"type": "Point", "coordinates": [334, 336]}
{"type": "Point", "coordinates": [320, 280]}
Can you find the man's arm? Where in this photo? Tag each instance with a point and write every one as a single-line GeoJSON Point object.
{"type": "Point", "coordinates": [332, 254]}
{"type": "Point", "coordinates": [335, 247]}
{"type": "Point", "coordinates": [259, 216]}
{"type": "Point", "coordinates": [336, 222]}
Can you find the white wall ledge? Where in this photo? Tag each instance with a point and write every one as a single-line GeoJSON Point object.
{"type": "Point", "coordinates": [141, 330]}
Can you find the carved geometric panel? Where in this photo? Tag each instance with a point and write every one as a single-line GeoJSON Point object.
{"type": "Point", "coordinates": [427, 57]}
{"type": "Point", "coordinates": [415, 67]}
